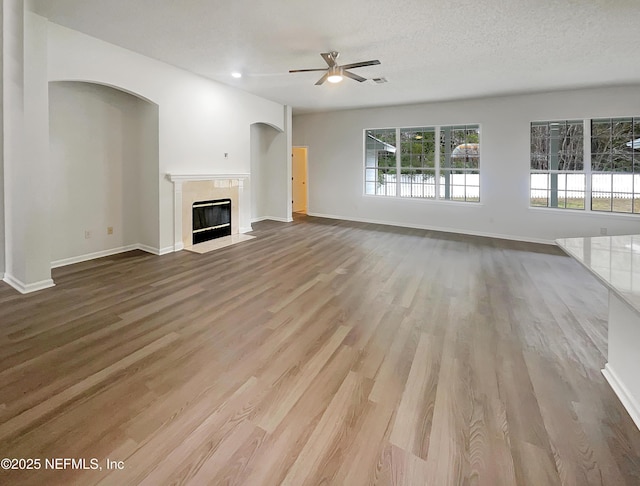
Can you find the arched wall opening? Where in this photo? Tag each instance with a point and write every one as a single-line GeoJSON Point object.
{"type": "Point", "coordinates": [270, 185]}
{"type": "Point", "coordinates": [104, 171]}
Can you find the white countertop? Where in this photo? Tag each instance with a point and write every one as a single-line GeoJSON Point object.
{"type": "Point", "coordinates": [615, 260]}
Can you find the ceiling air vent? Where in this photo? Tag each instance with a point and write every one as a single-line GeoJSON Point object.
{"type": "Point", "coordinates": [380, 80]}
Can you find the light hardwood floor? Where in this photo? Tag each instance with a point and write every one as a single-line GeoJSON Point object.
{"type": "Point", "coordinates": [321, 352]}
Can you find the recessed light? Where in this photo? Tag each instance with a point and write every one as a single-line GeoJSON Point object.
{"type": "Point", "coordinates": [236, 75]}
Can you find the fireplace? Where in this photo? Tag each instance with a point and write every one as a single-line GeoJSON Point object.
{"type": "Point", "coordinates": [211, 219]}
{"type": "Point", "coordinates": [191, 188]}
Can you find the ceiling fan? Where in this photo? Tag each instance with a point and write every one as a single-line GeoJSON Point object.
{"type": "Point", "coordinates": [335, 73]}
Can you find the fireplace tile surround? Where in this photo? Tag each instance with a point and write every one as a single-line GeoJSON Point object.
{"type": "Point", "coordinates": [189, 188]}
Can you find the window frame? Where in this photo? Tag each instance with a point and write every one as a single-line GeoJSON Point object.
{"type": "Point", "coordinates": [587, 171]}
{"type": "Point", "coordinates": [437, 165]}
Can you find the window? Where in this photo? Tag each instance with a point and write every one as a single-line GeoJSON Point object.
{"type": "Point", "coordinates": [557, 164]}
{"type": "Point", "coordinates": [432, 163]}
{"type": "Point", "coordinates": [575, 161]}
{"type": "Point", "coordinates": [615, 165]}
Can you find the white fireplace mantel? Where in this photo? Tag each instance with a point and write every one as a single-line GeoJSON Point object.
{"type": "Point", "coordinates": [173, 177]}
{"type": "Point", "coordinates": [179, 179]}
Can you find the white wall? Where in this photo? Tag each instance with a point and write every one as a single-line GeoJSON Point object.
{"type": "Point", "coordinates": [103, 154]}
{"type": "Point", "coordinates": [2, 192]}
{"type": "Point", "coordinates": [258, 187]}
{"type": "Point", "coordinates": [13, 121]}
{"type": "Point", "coordinates": [25, 118]}
{"type": "Point", "coordinates": [33, 205]}
{"type": "Point", "coordinates": [335, 178]}
{"type": "Point", "coordinates": [199, 120]}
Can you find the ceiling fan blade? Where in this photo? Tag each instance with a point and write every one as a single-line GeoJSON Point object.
{"type": "Point", "coordinates": [360, 64]}
{"type": "Point", "coordinates": [329, 58]}
{"type": "Point", "coordinates": [323, 78]}
{"type": "Point", "coordinates": [353, 76]}
{"type": "Point", "coordinates": [306, 70]}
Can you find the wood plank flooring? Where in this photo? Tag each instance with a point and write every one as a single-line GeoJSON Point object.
{"type": "Point", "coordinates": [321, 352]}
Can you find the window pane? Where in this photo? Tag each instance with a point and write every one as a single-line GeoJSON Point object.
{"type": "Point", "coordinates": [417, 183]}
{"type": "Point", "coordinates": [540, 129]}
{"type": "Point", "coordinates": [473, 163]}
{"type": "Point", "coordinates": [622, 162]}
{"type": "Point", "coordinates": [539, 198]}
{"type": "Point", "coordinates": [601, 182]}
{"type": "Point", "coordinates": [557, 145]}
{"type": "Point", "coordinates": [575, 182]}
{"type": "Point", "coordinates": [622, 202]}
{"type": "Point", "coordinates": [380, 148]}
{"type": "Point", "coordinates": [386, 189]}
{"type": "Point", "coordinates": [540, 181]}
{"type": "Point", "coordinates": [370, 175]}
{"type": "Point", "coordinates": [621, 134]}
{"type": "Point", "coordinates": [622, 183]}
{"type": "Point", "coordinates": [601, 201]}
{"type": "Point", "coordinates": [418, 147]}
{"type": "Point", "coordinates": [570, 156]}
{"type": "Point", "coordinates": [539, 150]}
{"type": "Point", "coordinates": [385, 184]}
{"type": "Point", "coordinates": [570, 146]}
{"type": "Point", "coordinates": [453, 185]}
{"type": "Point", "coordinates": [601, 162]}
{"type": "Point", "coordinates": [472, 186]}
{"type": "Point", "coordinates": [575, 199]}
{"type": "Point", "coordinates": [612, 145]}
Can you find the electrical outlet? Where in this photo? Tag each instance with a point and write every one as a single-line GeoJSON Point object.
{"type": "Point", "coordinates": [87, 234]}
{"type": "Point", "coordinates": [603, 231]}
{"type": "Point", "coordinates": [109, 230]}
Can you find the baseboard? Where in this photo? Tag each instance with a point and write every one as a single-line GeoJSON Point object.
{"type": "Point", "coordinates": [245, 229]}
{"type": "Point", "coordinates": [436, 228]}
{"type": "Point", "coordinates": [166, 250]}
{"type": "Point", "coordinates": [155, 251]}
{"type": "Point", "coordinates": [272, 218]}
{"type": "Point", "coordinates": [112, 251]}
{"type": "Point", "coordinates": [27, 288]}
{"type": "Point", "coordinates": [92, 256]}
{"type": "Point", "coordinates": [628, 401]}
{"type": "Point", "coordinates": [257, 220]}
{"type": "Point", "coordinates": [148, 249]}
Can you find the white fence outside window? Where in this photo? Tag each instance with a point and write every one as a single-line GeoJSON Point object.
{"type": "Point", "coordinates": [602, 185]}
{"type": "Point", "coordinates": [461, 186]}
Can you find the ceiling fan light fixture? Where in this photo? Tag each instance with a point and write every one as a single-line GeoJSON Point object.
{"type": "Point", "coordinates": [335, 75]}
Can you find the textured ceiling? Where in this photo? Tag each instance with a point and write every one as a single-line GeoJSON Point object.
{"type": "Point", "coordinates": [429, 50]}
